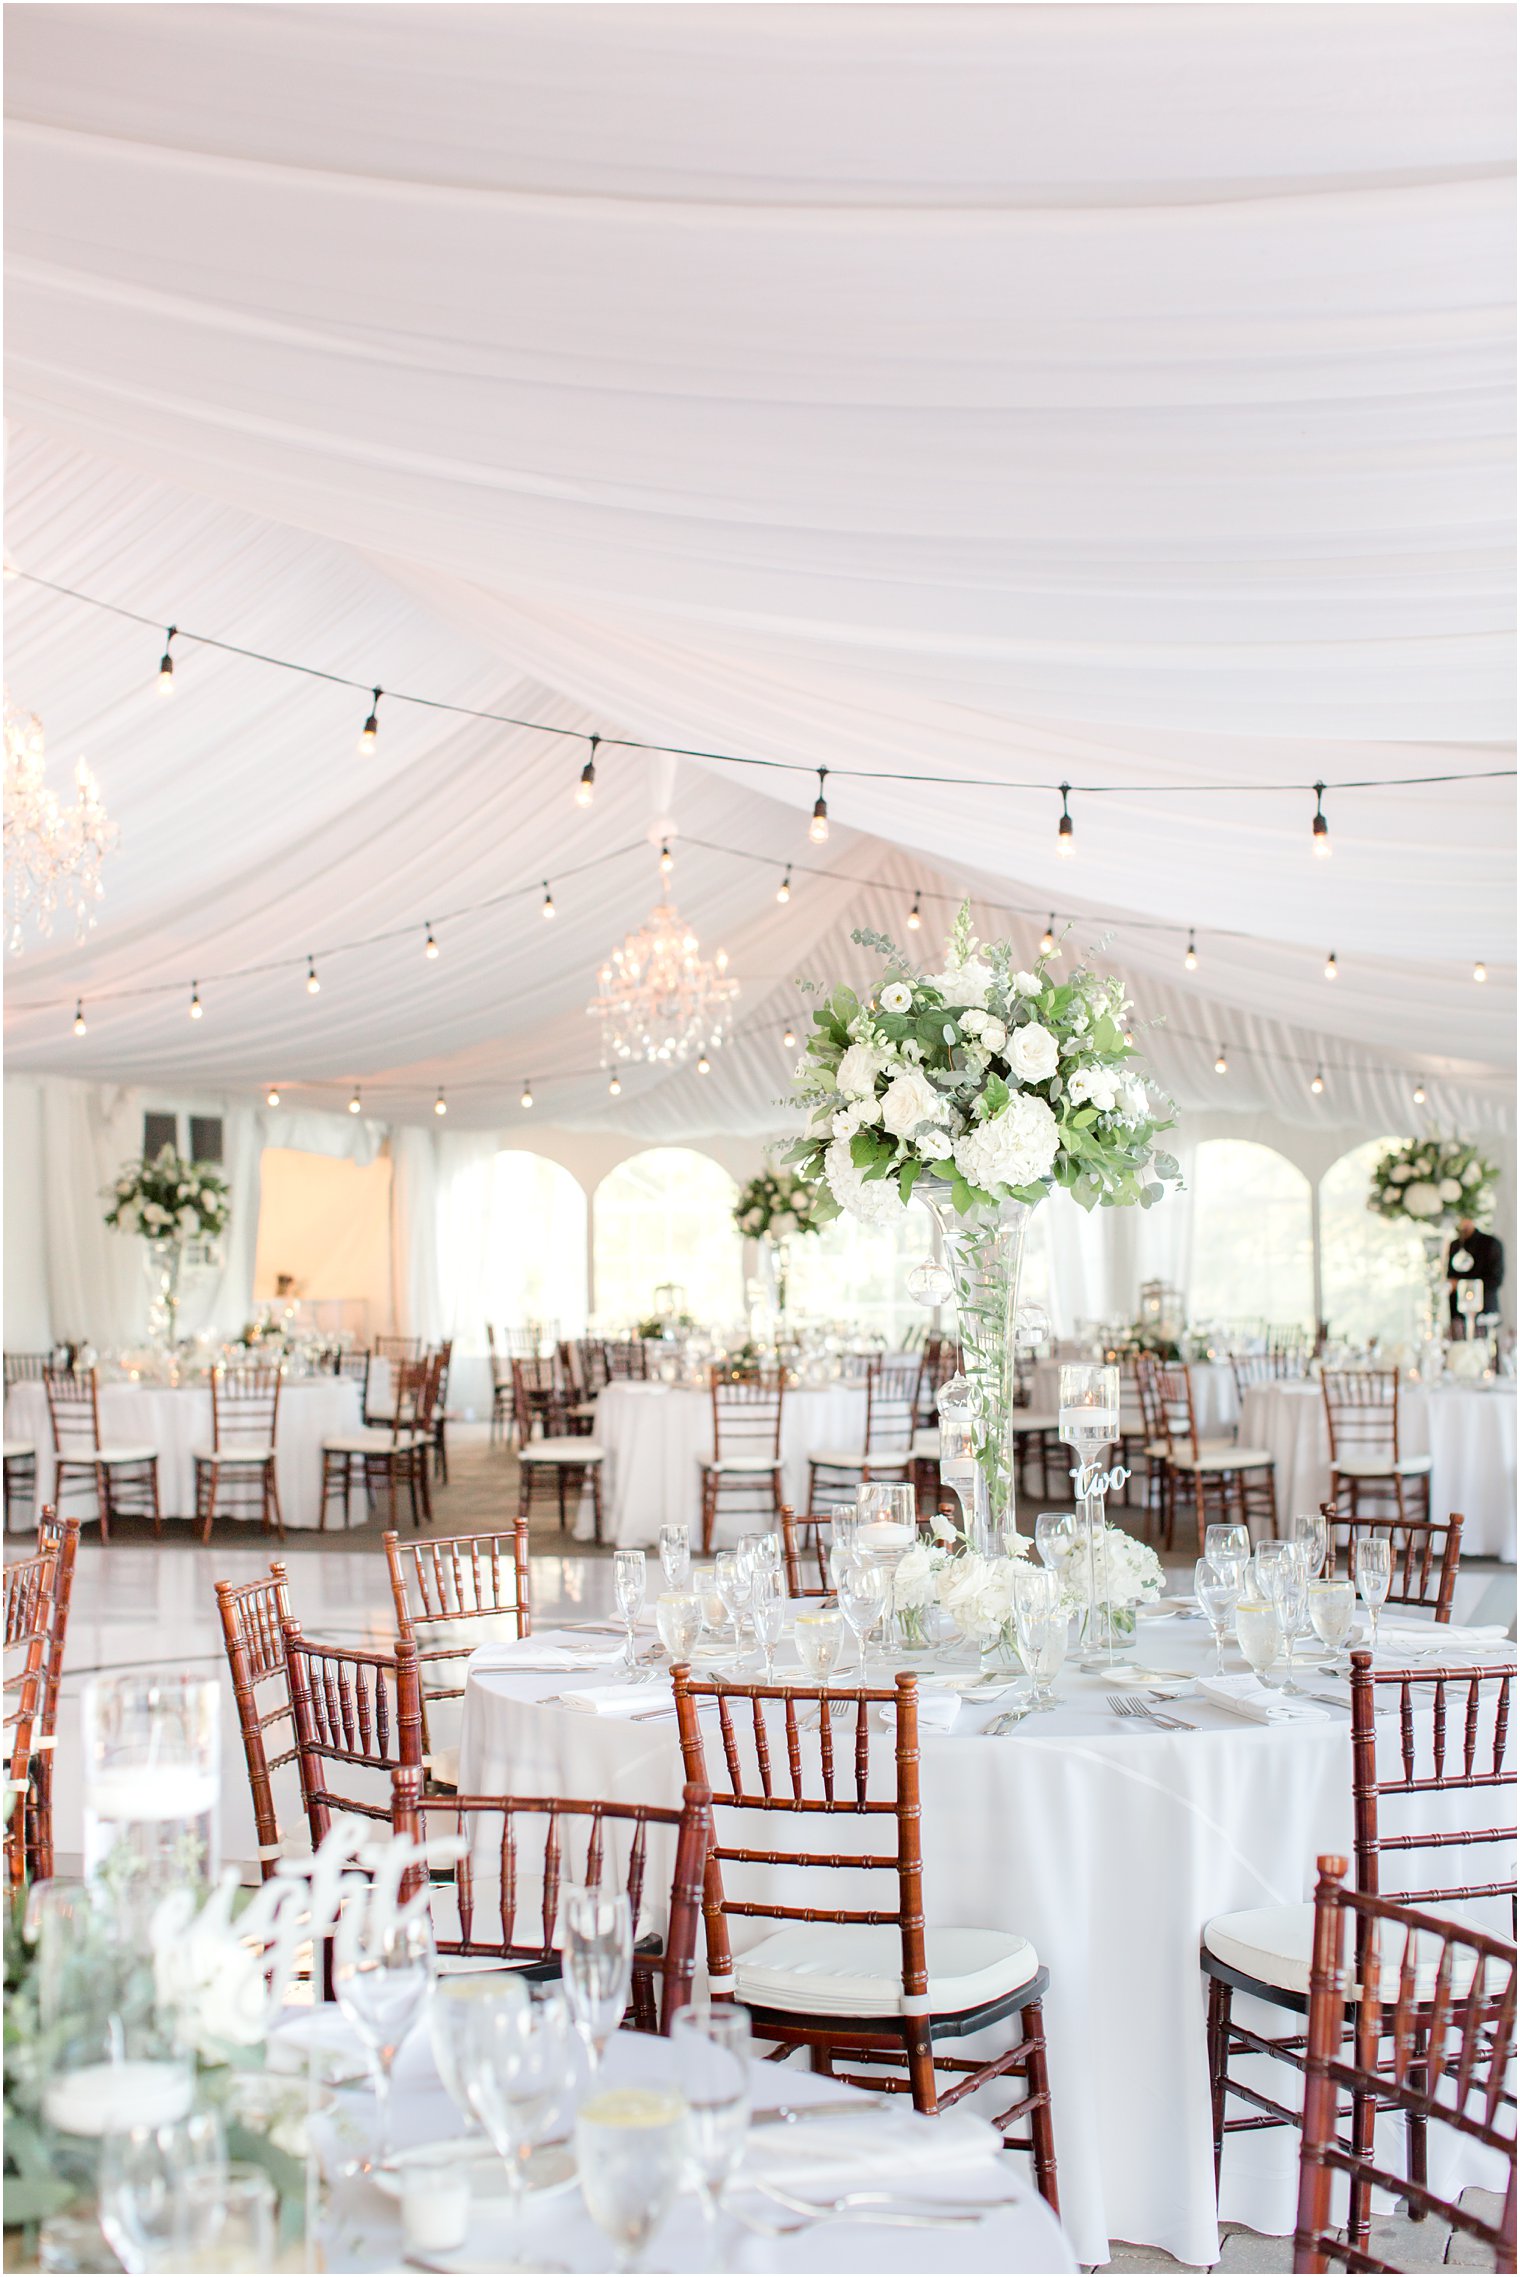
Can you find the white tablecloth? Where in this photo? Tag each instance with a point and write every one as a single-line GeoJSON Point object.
{"type": "Point", "coordinates": [656, 1437]}
{"type": "Point", "coordinates": [1468, 1430]}
{"type": "Point", "coordinates": [1108, 1844]}
{"type": "Point", "coordinates": [1215, 1402]}
{"type": "Point", "coordinates": [177, 1420]}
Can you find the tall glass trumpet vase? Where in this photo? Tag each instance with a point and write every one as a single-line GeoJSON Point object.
{"type": "Point", "coordinates": [984, 1252]}
{"type": "Point", "coordinates": [165, 1260]}
{"type": "Point", "coordinates": [1089, 1425]}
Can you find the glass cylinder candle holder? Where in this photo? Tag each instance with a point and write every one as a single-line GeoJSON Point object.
{"type": "Point", "coordinates": [151, 1784]}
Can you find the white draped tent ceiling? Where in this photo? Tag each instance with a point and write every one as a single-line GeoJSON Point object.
{"type": "Point", "coordinates": [1119, 396]}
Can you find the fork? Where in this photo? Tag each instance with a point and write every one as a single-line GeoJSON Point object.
{"type": "Point", "coordinates": [890, 2201]}
{"type": "Point", "coordinates": [1131, 1704]}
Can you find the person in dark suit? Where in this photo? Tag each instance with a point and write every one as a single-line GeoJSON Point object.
{"type": "Point", "coordinates": [1475, 1256]}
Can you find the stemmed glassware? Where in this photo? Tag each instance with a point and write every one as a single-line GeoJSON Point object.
{"type": "Point", "coordinates": [449, 2012]}
{"type": "Point", "coordinates": [225, 2221]}
{"type": "Point", "coordinates": [382, 1987]}
{"type": "Point", "coordinates": [1218, 1595]}
{"type": "Point", "coordinates": [1310, 1529]}
{"type": "Point", "coordinates": [711, 2050]}
{"type": "Point", "coordinates": [142, 2171]}
{"type": "Point", "coordinates": [844, 1528]}
{"type": "Point", "coordinates": [1331, 1605]}
{"type": "Point", "coordinates": [1226, 1541]}
{"type": "Point", "coordinates": [731, 1575]}
{"type": "Point", "coordinates": [678, 1617]}
{"type": "Point", "coordinates": [1258, 1632]}
{"type": "Point", "coordinates": [597, 1963]}
{"type": "Point", "coordinates": [516, 2068]}
{"type": "Point", "coordinates": [1290, 1594]}
{"type": "Point", "coordinates": [1088, 1422]}
{"type": "Point", "coordinates": [863, 1587]}
{"type": "Point", "coordinates": [1374, 1577]}
{"type": "Point", "coordinates": [768, 1603]}
{"type": "Point", "coordinates": [630, 1581]}
{"type": "Point", "coordinates": [631, 2146]}
{"type": "Point", "coordinates": [1055, 1539]}
{"type": "Point", "coordinates": [675, 1557]}
{"type": "Point", "coordinates": [818, 1636]}
{"type": "Point", "coordinates": [1041, 1619]}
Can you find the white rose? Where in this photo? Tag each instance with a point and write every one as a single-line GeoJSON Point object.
{"type": "Point", "coordinates": [1026, 984]}
{"type": "Point", "coordinates": [1390, 1193]}
{"type": "Point", "coordinates": [909, 1100]}
{"type": "Point", "coordinates": [897, 996]}
{"type": "Point", "coordinates": [1013, 1148]}
{"type": "Point", "coordinates": [1097, 1084]}
{"type": "Point", "coordinates": [1473, 1174]}
{"type": "Point", "coordinates": [964, 984]}
{"type": "Point", "coordinates": [1422, 1200]}
{"type": "Point", "coordinates": [1451, 1189]}
{"type": "Point", "coordinates": [1402, 1172]}
{"type": "Point", "coordinates": [994, 1034]}
{"type": "Point", "coordinates": [1425, 1166]}
{"type": "Point", "coordinates": [1033, 1053]}
{"type": "Point", "coordinates": [974, 1023]}
{"type": "Point", "coordinates": [858, 1071]}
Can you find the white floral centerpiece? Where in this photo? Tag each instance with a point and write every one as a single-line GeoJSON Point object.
{"type": "Point", "coordinates": [169, 1202]}
{"type": "Point", "coordinates": [1431, 1183]}
{"type": "Point", "coordinates": [778, 1203]}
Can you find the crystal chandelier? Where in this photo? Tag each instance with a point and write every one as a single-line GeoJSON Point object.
{"type": "Point", "coordinates": [53, 853]}
{"type": "Point", "coordinates": [658, 997]}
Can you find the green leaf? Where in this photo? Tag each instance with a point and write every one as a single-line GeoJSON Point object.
{"type": "Point", "coordinates": [908, 1177]}
{"type": "Point", "coordinates": [995, 1092]}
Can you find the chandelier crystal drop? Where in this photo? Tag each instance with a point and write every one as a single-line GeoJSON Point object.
{"type": "Point", "coordinates": [53, 852]}
{"type": "Point", "coordinates": [658, 997]}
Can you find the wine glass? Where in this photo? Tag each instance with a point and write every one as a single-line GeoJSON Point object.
{"type": "Point", "coordinates": [862, 1591]}
{"type": "Point", "coordinates": [769, 1555]}
{"type": "Point", "coordinates": [225, 2221]}
{"type": "Point", "coordinates": [1310, 1529]}
{"type": "Point", "coordinates": [819, 1637]}
{"type": "Point", "coordinates": [142, 2172]}
{"type": "Point", "coordinates": [630, 1580]}
{"type": "Point", "coordinates": [1039, 1613]}
{"type": "Point", "coordinates": [768, 1603]}
{"type": "Point", "coordinates": [1055, 1538]}
{"type": "Point", "coordinates": [516, 2069]}
{"type": "Point", "coordinates": [1218, 1597]}
{"type": "Point", "coordinates": [449, 2014]}
{"type": "Point", "coordinates": [733, 1588]}
{"type": "Point", "coordinates": [678, 1617]}
{"type": "Point", "coordinates": [745, 1550]}
{"type": "Point", "coordinates": [597, 1963]}
{"type": "Point", "coordinates": [1258, 1632]}
{"type": "Point", "coordinates": [675, 1556]}
{"type": "Point", "coordinates": [844, 1531]}
{"type": "Point", "coordinates": [631, 2150]}
{"type": "Point", "coordinates": [382, 1986]}
{"type": "Point", "coordinates": [711, 2051]}
{"type": "Point", "coordinates": [1222, 1541]}
{"type": "Point", "coordinates": [1374, 1575]}
{"type": "Point", "coordinates": [1331, 1605]}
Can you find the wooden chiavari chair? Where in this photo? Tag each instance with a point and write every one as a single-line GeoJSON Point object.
{"type": "Point", "coordinates": [26, 1367]}
{"type": "Point", "coordinates": [1452, 1736]}
{"type": "Point", "coordinates": [1221, 1480]}
{"type": "Point", "coordinates": [524, 1848]}
{"type": "Point", "coordinates": [592, 1371]}
{"type": "Point", "coordinates": [1424, 1554]}
{"type": "Point", "coordinates": [805, 1552]}
{"type": "Point", "coordinates": [502, 1412]}
{"type": "Point", "coordinates": [237, 1470]}
{"type": "Point", "coordinates": [20, 1480]}
{"type": "Point", "coordinates": [124, 1478]}
{"type": "Point", "coordinates": [31, 1586]}
{"type": "Point", "coordinates": [391, 1455]}
{"type": "Point", "coordinates": [891, 1389]}
{"type": "Point", "coordinates": [1418, 2017]}
{"type": "Point", "coordinates": [745, 1464]}
{"type": "Point", "coordinates": [451, 1594]}
{"type": "Point", "coordinates": [58, 1538]}
{"type": "Point", "coordinates": [852, 1982]}
{"type": "Point", "coordinates": [253, 1615]}
{"type": "Point", "coordinates": [400, 1347]}
{"type": "Point", "coordinates": [443, 1362]}
{"type": "Point", "coordinates": [1362, 1413]}
{"type": "Point", "coordinates": [568, 1460]}
{"type": "Point", "coordinates": [1285, 1365]}
{"type": "Point", "coordinates": [627, 1357]}
{"type": "Point", "coordinates": [357, 1715]}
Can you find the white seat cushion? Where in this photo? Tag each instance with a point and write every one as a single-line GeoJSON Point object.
{"type": "Point", "coordinates": [1275, 1943]}
{"type": "Point", "coordinates": [1033, 1419]}
{"type": "Point", "coordinates": [1224, 1458]}
{"type": "Point", "coordinates": [108, 1455]}
{"type": "Point", "coordinates": [925, 1448]}
{"type": "Point", "coordinates": [1381, 1466]}
{"type": "Point", "coordinates": [824, 1968]}
{"type": "Point", "coordinates": [377, 1443]}
{"type": "Point", "coordinates": [17, 1450]}
{"type": "Point", "coordinates": [565, 1450]}
{"type": "Point", "coordinates": [236, 1451]}
{"type": "Point", "coordinates": [443, 1764]}
{"type": "Point", "coordinates": [745, 1466]}
{"type": "Point", "coordinates": [837, 1459]}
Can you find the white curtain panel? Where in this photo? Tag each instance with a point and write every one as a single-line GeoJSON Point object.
{"type": "Point", "coordinates": [98, 1290]}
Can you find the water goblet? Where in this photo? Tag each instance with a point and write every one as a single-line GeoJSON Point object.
{"type": "Point", "coordinates": [516, 2070]}
{"type": "Point", "coordinates": [142, 2171]}
{"type": "Point", "coordinates": [733, 1588]}
{"type": "Point", "coordinates": [449, 2026]}
{"type": "Point", "coordinates": [1331, 1605]}
{"type": "Point", "coordinates": [1258, 1632]}
{"type": "Point", "coordinates": [1221, 1541]}
{"type": "Point", "coordinates": [704, 1580]}
{"type": "Point", "coordinates": [768, 1603]}
{"type": "Point", "coordinates": [675, 1556]}
{"type": "Point", "coordinates": [1041, 1622]}
{"type": "Point", "coordinates": [863, 1588]}
{"type": "Point", "coordinates": [819, 1637]}
{"type": "Point", "coordinates": [745, 1550]}
{"type": "Point", "coordinates": [597, 1963]}
{"type": "Point", "coordinates": [1218, 1597]}
{"type": "Point", "coordinates": [631, 2150]}
{"type": "Point", "coordinates": [844, 1530]}
{"type": "Point", "coordinates": [769, 1555]}
{"type": "Point", "coordinates": [711, 2051]}
{"type": "Point", "coordinates": [678, 1617]}
{"type": "Point", "coordinates": [630, 1580]}
{"type": "Point", "coordinates": [225, 2221]}
{"type": "Point", "coordinates": [1290, 1594]}
{"type": "Point", "coordinates": [1374, 1576]}
{"type": "Point", "coordinates": [382, 1985]}
{"type": "Point", "coordinates": [1310, 1529]}
{"type": "Point", "coordinates": [1055, 1538]}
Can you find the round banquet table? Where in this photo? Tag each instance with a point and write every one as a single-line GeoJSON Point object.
{"type": "Point", "coordinates": [656, 1436]}
{"type": "Point", "coordinates": [1107, 1843]}
{"type": "Point", "coordinates": [1468, 1430]}
{"type": "Point", "coordinates": [176, 1420]}
{"type": "Point", "coordinates": [1216, 1404]}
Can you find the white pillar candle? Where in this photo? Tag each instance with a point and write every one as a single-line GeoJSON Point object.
{"type": "Point", "coordinates": [164, 1791]}
{"type": "Point", "coordinates": [103, 2099]}
{"type": "Point", "coordinates": [435, 2206]}
{"type": "Point", "coordinates": [881, 1535]}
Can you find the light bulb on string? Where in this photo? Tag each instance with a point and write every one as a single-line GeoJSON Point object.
{"type": "Point", "coordinates": [1222, 1064]}
{"type": "Point", "coordinates": [430, 946]}
{"type": "Point", "coordinates": [1065, 837]}
{"type": "Point", "coordinates": [355, 1105]}
{"type": "Point", "coordinates": [527, 1095]}
{"type": "Point", "coordinates": [440, 1104]}
{"type": "Point", "coordinates": [371, 727]}
{"type": "Point", "coordinates": [667, 859]}
{"type": "Point", "coordinates": [1191, 959]}
{"type": "Point", "coordinates": [1048, 938]}
{"type": "Point", "coordinates": [789, 1039]}
{"type": "Point", "coordinates": [548, 908]}
{"type": "Point", "coordinates": [1331, 967]}
{"type": "Point", "coordinates": [79, 1026]}
{"type": "Point", "coordinates": [1320, 827]}
{"type": "Point", "coordinates": [1419, 1095]}
{"type": "Point", "coordinates": [1129, 1039]}
{"type": "Point", "coordinates": [1318, 1084]}
{"type": "Point", "coordinates": [614, 1089]}
{"type": "Point", "coordinates": [272, 1096]}
{"type": "Point", "coordinates": [1480, 971]}
{"type": "Point", "coordinates": [818, 828]}
{"type": "Point", "coordinates": [704, 1065]}
{"type": "Point", "coordinates": [915, 914]}
{"type": "Point", "coordinates": [784, 890]}
{"type": "Point", "coordinates": [585, 789]}
{"type": "Point", "coordinates": [166, 664]}
{"type": "Point", "coordinates": [313, 985]}
{"type": "Point", "coordinates": [195, 1001]}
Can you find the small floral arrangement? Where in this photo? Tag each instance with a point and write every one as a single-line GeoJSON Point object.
{"type": "Point", "coordinates": [169, 1199]}
{"type": "Point", "coordinates": [1001, 1083]}
{"type": "Point", "coordinates": [779, 1203]}
{"type": "Point", "coordinates": [1431, 1183]}
{"type": "Point", "coordinates": [1134, 1573]}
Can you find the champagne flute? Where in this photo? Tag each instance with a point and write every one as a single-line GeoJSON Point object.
{"type": "Point", "coordinates": [1258, 1632]}
{"type": "Point", "coordinates": [1290, 1594]}
{"type": "Point", "coordinates": [142, 2170]}
{"type": "Point", "coordinates": [844, 1530]}
{"type": "Point", "coordinates": [631, 2150]}
{"type": "Point", "coordinates": [768, 1603]}
{"type": "Point", "coordinates": [630, 1580]}
{"type": "Point", "coordinates": [1331, 1605]}
{"type": "Point", "coordinates": [382, 1986]}
{"type": "Point", "coordinates": [819, 1637]}
{"type": "Point", "coordinates": [711, 2050]}
{"type": "Point", "coordinates": [1310, 1529]}
{"type": "Point", "coordinates": [675, 1557]}
{"type": "Point", "coordinates": [678, 1617]}
{"type": "Point", "coordinates": [1037, 1612]}
{"type": "Point", "coordinates": [1218, 1597]}
{"type": "Point", "coordinates": [1374, 1576]}
{"type": "Point", "coordinates": [516, 2069]}
{"type": "Point", "coordinates": [733, 1588]}
{"type": "Point", "coordinates": [597, 1963]}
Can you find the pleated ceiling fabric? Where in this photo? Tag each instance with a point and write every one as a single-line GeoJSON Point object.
{"type": "Point", "coordinates": [1121, 395]}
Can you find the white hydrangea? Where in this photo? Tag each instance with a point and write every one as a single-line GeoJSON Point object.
{"type": "Point", "coordinates": [914, 1583]}
{"type": "Point", "coordinates": [1134, 1574]}
{"type": "Point", "coordinates": [1033, 1053]}
{"type": "Point", "coordinates": [1013, 1148]}
{"type": "Point", "coordinates": [874, 1201]}
{"type": "Point", "coordinates": [1451, 1189]}
{"type": "Point", "coordinates": [858, 1070]}
{"type": "Point", "coordinates": [1422, 1200]}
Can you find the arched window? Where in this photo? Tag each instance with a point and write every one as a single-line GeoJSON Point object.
{"type": "Point", "coordinates": [858, 1274]}
{"type": "Point", "coordinates": [1372, 1270]}
{"type": "Point", "coordinates": [667, 1216]}
{"type": "Point", "coordinates": [1252, 1237]}
{"type": "Point", "coordinates": [535, 1248]}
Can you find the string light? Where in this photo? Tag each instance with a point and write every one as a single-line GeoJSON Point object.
{"type": "Point", "coordinates": [789, 1039]}
{"type": "Point", "coordinates": [79, 1026]}
{"type": "Point", "coordinates": [615, 1088]}
{"type": "Point", "coordinates": [1048, 938]}
{"type": "Point", "coordinates": [585, 789]}
{"type": "Point", "coordinates": [1318, 1085]}
{"type": "Point", "coordinates": [1191, 959]}
{"type": "Point", "coordinates": [166, 665]}
{"type": "Point", "coordinates": [355, 1105]}
{"type": "Point", "coordinates": [1480, 971]}
{"type": "Point", "coordinates": [440, 1104]}
{"type": "Point", "coordinates": [430, 946]}
{"type": "Point", "coordinates": [818, 828]}
{"type": "Point", "coordinates": [1321, 828]}
{"type": "Point", "coordinates": [371, 727]}
{"type": "Point", "coordinates": [667, 859]}
{"type": "Point", "coordinates": [915, 914]}
{"type": "Point", "coordinates": [1129, 1039]}
{"type": "Point", "coordinates": [704, 1065]}
{"type": "Point", "coordinates": [1331, 968]}
{"type": "Point", "coordinates": [195, 1001]}
{"type": "Point", "coordinates": [1222, 1064]}
{"type": "Point", "coordinates": [313, 985]}
{"type": "Point", "coordinates": [1419, 1094]}
{"type": "Point", "coordinates": [1065, 841]}
{"type": "Point", "coordinates": [548, 909]}
{"type": "Point", "coordinates": [784, 890]}
{"type": "Point", "coordinates": [272, 1096]}
{"type": "Point", "coordinates": [527, 1095]}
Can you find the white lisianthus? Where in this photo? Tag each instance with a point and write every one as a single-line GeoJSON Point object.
{"type": "Point", "coordinates": [909, 1099]}
{"type": "Point", "coordinates": [874, 1201]}
{"type": "Point", "coordinates": [1422, 1200]}
{"type": "Point", "coordinates": [933, 1146]}
{"type": "Point", "coordinates": [1097, 1084]}
{"type": "Point", "coordinates": [850, 1119]}
{"type": "Point", "coordinates": [1033, 1053]}
{"type": "Point", "coordinates": [858, 1071]}
{"type": "Point", "coordinates": [897, 996]}
{"type": "Point", "coordinates": [965, 984]}
{"type": "Point", "coordinates": [1451, 1189]}
{"type": "Point", "coordinates": [1013, 1148]}
{"type": "Point", "coordinates": [1026, 984]}
{"type": "Point", "coordinates": [1134, 1106]}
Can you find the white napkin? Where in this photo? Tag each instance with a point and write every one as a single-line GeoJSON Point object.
{"type": "Point", "coordinates": [1432, 1639]}
{"type": "Point", "coordinates": [1243, 1696]}
{"type": "Point", "coordinates": [557, 1650]}
{"type": "Point", "coordinates": [875, 2150]}
{"type": "Point", "coordinates": [937, 1711]}
{"type": "Point", "coordinates": [621, 1699]}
